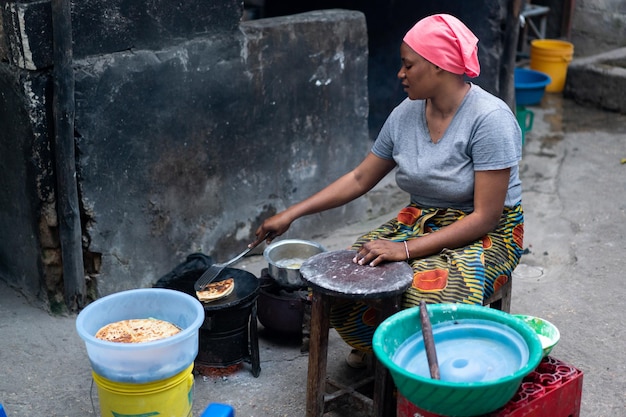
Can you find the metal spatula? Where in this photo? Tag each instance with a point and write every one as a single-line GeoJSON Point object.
{"type": "Point", "coordinates": [214, 270]}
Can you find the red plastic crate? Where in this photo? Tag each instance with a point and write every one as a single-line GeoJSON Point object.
{"type": "Point", "coordinates": [554, 389]}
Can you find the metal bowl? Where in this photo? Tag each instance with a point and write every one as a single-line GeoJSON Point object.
{"type": "Point", "coordinates": [285, 257]}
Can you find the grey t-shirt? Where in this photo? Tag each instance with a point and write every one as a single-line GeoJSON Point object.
{"type": "Point", "coordinates": [483, 135]}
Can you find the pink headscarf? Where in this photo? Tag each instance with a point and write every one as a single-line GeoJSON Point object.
{"type": "Point", "coordinates": [446, 42]}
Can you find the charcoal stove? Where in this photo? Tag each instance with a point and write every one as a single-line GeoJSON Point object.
{"type": "Point", "coordinates": [228, 336]}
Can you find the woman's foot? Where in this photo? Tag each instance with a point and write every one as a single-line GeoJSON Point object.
{"type": "Point", "coordinates": [357, 359]}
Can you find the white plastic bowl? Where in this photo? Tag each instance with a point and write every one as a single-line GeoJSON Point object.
{"type": "Point", "coordinates": [148, 361]}
{"type": "Point", "coordinates": [548, 333]}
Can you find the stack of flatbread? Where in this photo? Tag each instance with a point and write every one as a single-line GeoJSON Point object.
{"type": "Point", "coordinates": [137, 330]}
{"type": "Point", "coordinates": [216, 290]}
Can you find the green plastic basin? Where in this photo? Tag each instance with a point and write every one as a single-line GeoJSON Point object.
{"type": "Point", "coordinates": [455, 399]}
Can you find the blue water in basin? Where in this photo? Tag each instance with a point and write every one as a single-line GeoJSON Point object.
{"type": "Point", "coordinates": [468, 350]}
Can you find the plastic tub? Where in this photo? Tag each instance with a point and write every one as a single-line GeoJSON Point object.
{"type": "Point", "coordinates": [453, 398]}
{"type": "Point", "coordinates": [149, 361]}
{"type": "Point", "coordinates": [530, 86]}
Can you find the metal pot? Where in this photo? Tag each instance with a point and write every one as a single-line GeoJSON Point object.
{"type": "Point", "coordinates": [285, 257]}
{"type": "Point", "coordinates": [281, 312]}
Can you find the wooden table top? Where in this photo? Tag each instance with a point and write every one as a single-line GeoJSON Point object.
{"type": "Point", "coordinates": [334, 273]}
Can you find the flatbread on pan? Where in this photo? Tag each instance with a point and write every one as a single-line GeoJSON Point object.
{"type": "Point", "coordinates": [216, 290]}
{"type": "Point", "coordinates": [137, 330]}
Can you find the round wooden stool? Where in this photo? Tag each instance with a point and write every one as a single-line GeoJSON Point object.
{"type": "Point", "coordinates": [334, 275]}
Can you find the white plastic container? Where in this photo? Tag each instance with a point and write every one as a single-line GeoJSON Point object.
{"type": "Point", "coordinates": [148, 361]}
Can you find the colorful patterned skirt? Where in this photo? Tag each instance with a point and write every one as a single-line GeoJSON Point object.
{"type": "Point", "coordinates": [468, 274]}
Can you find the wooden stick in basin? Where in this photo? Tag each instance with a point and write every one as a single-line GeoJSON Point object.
{"type": "Point", "coordinates": [429, 342]}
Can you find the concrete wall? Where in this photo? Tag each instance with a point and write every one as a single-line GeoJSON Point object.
{"type": "Point", "coordinates": [102, 27]}
{"type": "Point", "coordinates": [599, 80]}
{"type": "Point", "coordinates": [226, 130]}
{"type": "Point", "coordinates": [598, 26]}
{"type": "Point", "coordinates": [26, 184]}
{"type": "Point", "coordinates": [192, 126]}
{"type": "Point", "coordinates": [181, 148]}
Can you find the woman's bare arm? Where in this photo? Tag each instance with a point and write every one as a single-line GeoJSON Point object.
{"type": "Point", "coordinates": [345, 189]}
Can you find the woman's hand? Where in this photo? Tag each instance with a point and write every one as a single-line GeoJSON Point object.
{"type": "Point", "coordinates": [271, 228]}
{"type": "Point", "coordinates": [377, 251]}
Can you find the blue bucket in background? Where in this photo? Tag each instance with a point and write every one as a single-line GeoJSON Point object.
{"type": "Point", "coordinates": [530, 86]}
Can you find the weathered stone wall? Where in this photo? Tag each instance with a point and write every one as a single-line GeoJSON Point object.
{"type": "Point", "coordinates": [26, 184]}
{"type": "Point", "coordinates": [192, 126]}
{"type": "Point", "coordinates": [599, 80]}
{"type": "Point", "coordinates": [598, 26]}
{"type": "Point", "coordinates": [181, 148]}
{"type": "Point", "coordinates": [188, 148]}
{"type": "Point", "coordinates": [102, 27]}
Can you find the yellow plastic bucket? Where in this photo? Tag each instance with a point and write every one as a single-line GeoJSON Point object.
{"type": "Point", "coordinates": [551, 57]}
{"type": "Point", "coordinates": [171, 397]}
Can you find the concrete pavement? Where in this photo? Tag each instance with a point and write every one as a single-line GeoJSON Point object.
{"type": "Point", "coordinates": [575, 203]}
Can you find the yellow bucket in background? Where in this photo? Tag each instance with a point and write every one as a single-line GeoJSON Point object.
{"type": "Point", "coordinates": [551, 57]}
{"type": "Point", "coordinates": [170, 397]}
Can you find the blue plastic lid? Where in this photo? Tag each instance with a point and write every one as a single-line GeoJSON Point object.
{"type": "Point", "coordinates": [218, 410]}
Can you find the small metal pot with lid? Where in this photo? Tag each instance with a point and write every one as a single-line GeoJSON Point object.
{"type": "Point", "coordinates": [285, 257]}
